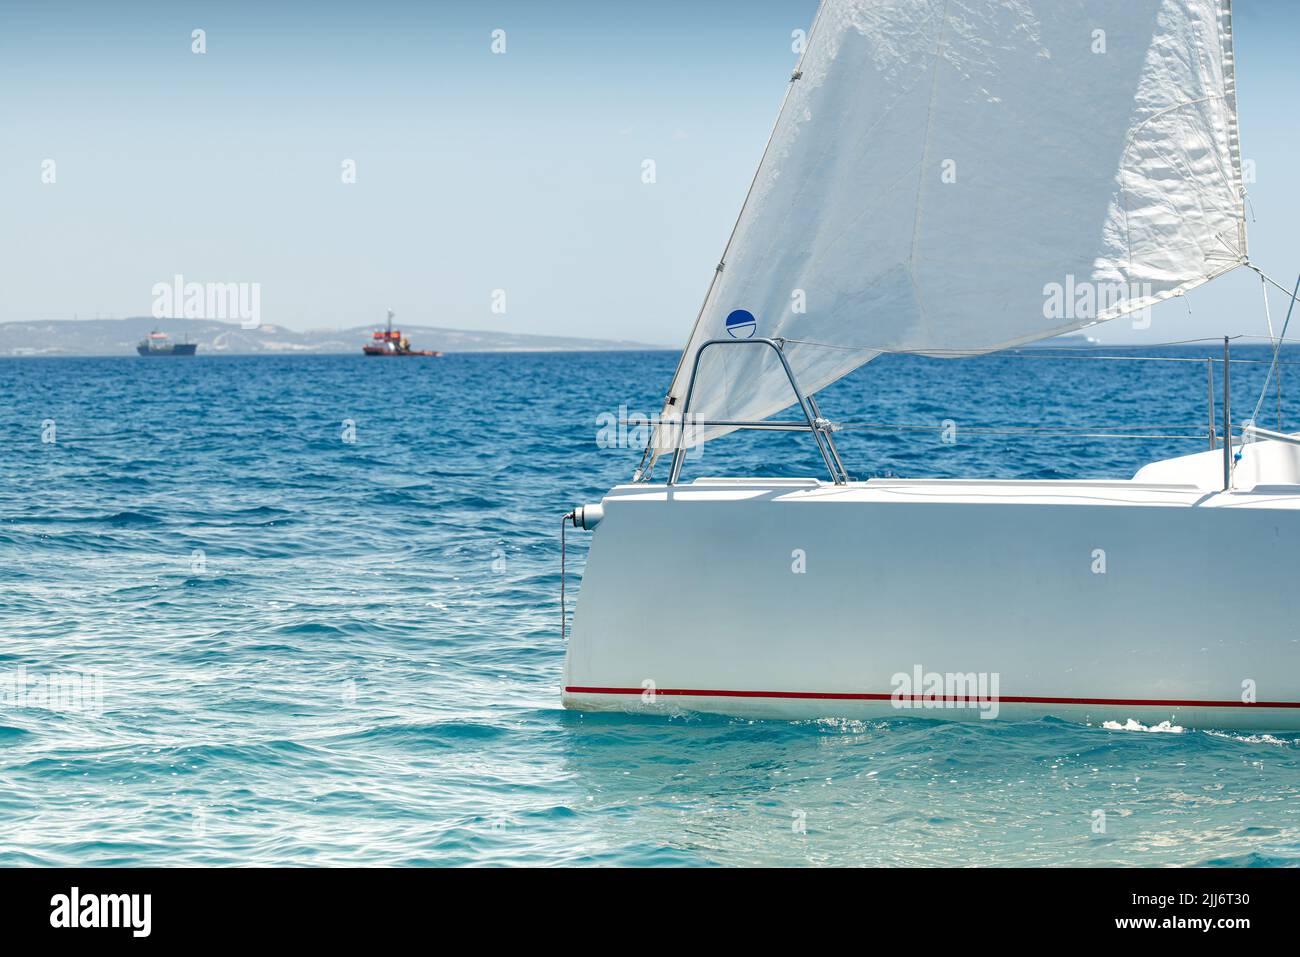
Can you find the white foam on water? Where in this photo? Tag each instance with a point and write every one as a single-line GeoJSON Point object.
{"type": "Point", "coordinates": [1164, 727]}
{"type": "Point", "coordinates": [1255, 738]}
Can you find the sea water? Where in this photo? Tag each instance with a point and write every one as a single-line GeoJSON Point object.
{"type": "Point", "coordinates": [304, 610]}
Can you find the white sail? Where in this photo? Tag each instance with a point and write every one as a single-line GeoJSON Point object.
{"type": "Point", "coordinates": [958, 177]}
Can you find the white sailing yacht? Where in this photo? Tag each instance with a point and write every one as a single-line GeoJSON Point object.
{"type": "Point", "coordinates": [939, 173]}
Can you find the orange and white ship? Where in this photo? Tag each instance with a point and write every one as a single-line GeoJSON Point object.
{"type": "Point", "coordinates": [391, 342]}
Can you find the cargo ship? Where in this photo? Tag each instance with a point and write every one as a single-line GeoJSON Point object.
{"type": "Point", "coordinates": [391, 342]}
{"type": "Point", "coordinates": [160, 344]}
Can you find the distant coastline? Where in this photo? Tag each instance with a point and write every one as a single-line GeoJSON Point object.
{"type": "Point", "coordinates": [118, 337]}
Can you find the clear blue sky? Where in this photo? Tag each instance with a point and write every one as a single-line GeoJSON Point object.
{"type": "Point", "coordinates": [475, 171]}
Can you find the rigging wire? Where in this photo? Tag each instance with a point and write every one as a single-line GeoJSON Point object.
{"type": "Point", "coordinates": [1039, 352]}
{"type": "Point", "coordinates": [1277, 348]}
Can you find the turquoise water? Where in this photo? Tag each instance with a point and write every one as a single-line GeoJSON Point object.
{"type": "Point", "coordinates": [292, 647]}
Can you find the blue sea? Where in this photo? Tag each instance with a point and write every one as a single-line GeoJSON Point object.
{"type": "Point", "coordinates": [304, 610]}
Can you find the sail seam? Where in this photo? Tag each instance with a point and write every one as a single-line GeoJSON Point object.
{"type": "Point", "coordinates": [1234, 129]}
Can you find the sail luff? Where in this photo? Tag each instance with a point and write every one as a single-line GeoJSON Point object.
{"type": "Point", "coordinates": [671, 399]}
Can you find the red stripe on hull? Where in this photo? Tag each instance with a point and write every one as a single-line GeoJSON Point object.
{"type": "Point", "coordinates": [1004, 699]}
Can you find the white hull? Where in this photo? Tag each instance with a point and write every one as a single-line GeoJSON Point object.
{"type": "Point", "coordinates": [693, 600]}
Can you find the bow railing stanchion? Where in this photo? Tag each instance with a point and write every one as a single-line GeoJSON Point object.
{"type": "Point", "coordinates": [829, 431]}
{"type": "Point", "coordinates": [1209, 386]}
{"type": "Point", "coordinates": [813, 422]}
{"type": "Point", "coordinates": [1227, 418]}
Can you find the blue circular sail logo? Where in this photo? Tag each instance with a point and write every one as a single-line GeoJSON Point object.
{"type": "Point", "coordinates": [741, 324]}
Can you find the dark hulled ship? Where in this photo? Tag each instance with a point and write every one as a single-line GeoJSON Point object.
{"type": "Point", "coordinates": [160, 344]}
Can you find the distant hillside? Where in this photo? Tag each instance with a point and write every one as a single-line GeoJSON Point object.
{"type": "Point", "coordinates": [111, 337]}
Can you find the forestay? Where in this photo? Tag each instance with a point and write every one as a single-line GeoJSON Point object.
{"type": "Point", "coordinates": [955, 178]}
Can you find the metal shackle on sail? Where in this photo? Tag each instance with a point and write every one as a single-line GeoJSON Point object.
{"type": "Point", "coordinates": [952, 179]}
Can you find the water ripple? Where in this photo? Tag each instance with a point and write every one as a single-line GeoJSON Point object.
{"type": "Point", "coordinates": [317, 651]}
